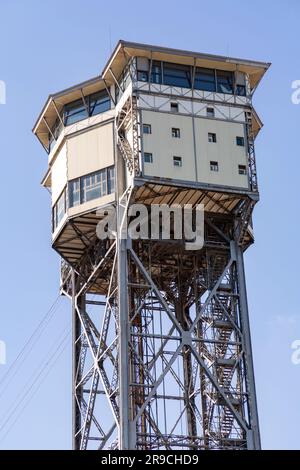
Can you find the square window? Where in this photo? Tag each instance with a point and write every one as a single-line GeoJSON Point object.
{"type": "Point", "coordinates": [177, 161]}
{"type": "Point", "coordinates": [148, 157]}
{"type": "Point", "coordinates": [175, 132]}
{"type": "Point", "coordinates": [240, 141]}
{"type": "Point", "coordinates": [174, 107]}
{"type": "Point", "coordinates": [214, 166]}
{"type": "Point", "coordinates": [242, 170]}
{"type": "Point", "coordinates": [147, 129]}
{"type": "Point", "coordinates": [212, 137]}
{"type": "Point", "coordinates": [210, 112]}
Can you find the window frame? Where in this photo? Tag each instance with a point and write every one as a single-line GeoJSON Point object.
{"type": "Point", "coordinates": [177, 159]}
{"type": "Point", "coordinates": [108, 183]}
{"type": "Point", "coordinates": [174, 107]}
{"type": "Point", "coordinates": [84, 109]}
{"type": "Point", "coordinates": [210, 112]}
{"type": "Point", "coordinates": [175, 73]}
{"type": "Point", "coordinates": [214, 166]}
{"type": "Point", "coordinates": [150, 155]}
{"type": "Point", "coordinates": [55, 220]}
{"type": "Point", "coordinates": [149, 126]}
{"type": "Point", "coordinates": [241, 139]}
{"type": "Point", "coordinates": [201, 77]}
{"type": "Point", "coordinates": [213, 137]}
{"type": "Point", "coordinates": [242, 169]}
{"type": "Point", "coordinates": [175, 132]}
{"type": "Point", "coordinates": [221, 82]}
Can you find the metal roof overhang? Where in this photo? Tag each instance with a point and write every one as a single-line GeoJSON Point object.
{"type": "Point", "coordinates": [55, 102]}
{"type": "Point", "coordinates": [124, 50]}
{"type": "Point", "coordinates": [122, 53]}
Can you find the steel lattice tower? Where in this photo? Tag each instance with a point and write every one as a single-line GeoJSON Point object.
{"type": "Point", "coordinates": [161, 340]}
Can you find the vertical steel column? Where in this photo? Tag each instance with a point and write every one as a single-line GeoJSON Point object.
{"type": "Point", "coordinates": [253, 437]}
{"type": "Point", "coordinates": [76, 346]}
{"type": "Point", "coordinates": [123, 364]}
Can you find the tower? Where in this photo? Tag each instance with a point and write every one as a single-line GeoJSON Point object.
{"type": "Point", "coordinates": [161, 340]}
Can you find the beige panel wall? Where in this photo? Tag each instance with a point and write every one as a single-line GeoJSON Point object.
{"type": "Point", "coordinates": [163, 146]}
{"type": "Point", "coordinates": [59, 173]}
{"type": "Point", "coordinates": [91, 205]}
{"type": "Point", "coordinates": [90, 151]}
{"type": "Point", "coordinates": [224, 151]}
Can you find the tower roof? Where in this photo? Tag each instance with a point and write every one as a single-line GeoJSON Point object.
{"type": "Point", "coordinates": [125, 50]}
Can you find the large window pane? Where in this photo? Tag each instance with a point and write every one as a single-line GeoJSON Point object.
{"type": "Point", "coordinates": [59, 209]}
{"type": "Point", "coordinates": [156, 72]}
{"type": "Point", "coordinates": [205, 79]}
{"type": "Point", "coordinates": [111, 180]}
{"type": "Point", "coordinates": [94, 186]}
{"type": "Point", "coordinates": [90, 187]}
{"type": "Point", "coordinates": [74, 193]}
{"type": "Point", "coordinates": [99, 103]}
{"type": "Point", "coordinates": [56, 130]}
{"type": "Point", "coordinates": [142, 76]}
{"type": "Point", "coordinates": [240, 90]}
{"type": "Point", "coordinates": [74, 112]}
{"type": "Point", "coordinates": [177, 75]}
{"type": "Point", "coordinates": [224, 81]}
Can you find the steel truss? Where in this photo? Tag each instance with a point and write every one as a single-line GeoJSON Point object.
{"type": "Point", "coordinates": [163, 360]}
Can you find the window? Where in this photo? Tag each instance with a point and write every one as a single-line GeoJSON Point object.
{"type": "Point", "coordinates": [56, 130]}
{"type": "Point", "coordinates": [212, 137]}
{"type": "Point", "coordinates": [94, 104]}
{"type": "Point", "coordinates": [111, 183]}
{"type": "Point", "coordinates": [205, 79]}
{"type": "Point", "coordinates": [142, 76]}
{"type": "Point", "coordinates": [210, 112]}
{"type": "Point", "coordinates": [91, 186]}
{"type": "Point", "coordinates": [240, 90]}
{"type": "Point", "coordinates": [59, 209]}
{"type": "Point", "coordinates": [148, 157]}
{"type": "Point", "coordinates": [147, 129]}
{"type": "Point", "coordinates": [156, 75]}
{"type": "Point", "coordinates": [75, 111]}
{"type": "Point", "coordinates": [174, 107]}
{"type": "Point", "coordinates": [177, 75]}
{"type": "Point", "coordinates": [99, 103]}
{"type": "Point", "coordinates": [74, 193]}
{"type": "Point", "coordinates": [177, 161]}
{"type": "Point", "coordinates": [240, 141]}
{"type": "Point", "coordinates": [224, 81]}
{"type": "Point", "coordinates": [214, 166]}
{"type": "Point", "coordinates": [123, 80]}
{"type": "Point", "coordinates": [175, 132]}
{"type": "Point", "coordinates": [242, 170]}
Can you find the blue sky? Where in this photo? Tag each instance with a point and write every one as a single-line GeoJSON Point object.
{"type": "Point", "coordinates": [50, 45]}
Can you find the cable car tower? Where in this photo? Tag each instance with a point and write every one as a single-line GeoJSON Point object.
{"type": "Point", "coordinates": [161, 339]}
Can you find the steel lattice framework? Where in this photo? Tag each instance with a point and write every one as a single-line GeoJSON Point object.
{"type": "Point", "coordinates": [170, 365]}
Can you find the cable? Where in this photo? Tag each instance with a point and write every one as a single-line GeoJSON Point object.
{"type": "Point", "coordinates": [36, 376]}
{"type": "Point", "coordinates": [35, 391]}
{"type": "Point", "coordinates": [30, 343]}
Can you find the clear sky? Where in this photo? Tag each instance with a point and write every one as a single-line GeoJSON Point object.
{"type": "Point", "coordinates": [46, 46]}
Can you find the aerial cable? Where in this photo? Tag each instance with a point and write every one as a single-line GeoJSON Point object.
{"type": "Point", "coordinates": [30, 343]}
